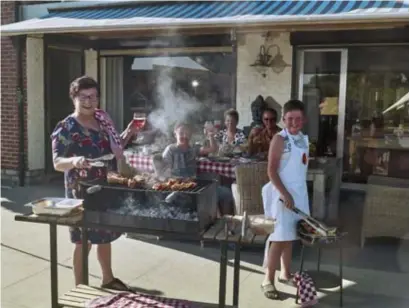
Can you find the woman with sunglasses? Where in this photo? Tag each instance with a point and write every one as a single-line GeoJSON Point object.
{"type": "Point", "coordinates": [260, 138]}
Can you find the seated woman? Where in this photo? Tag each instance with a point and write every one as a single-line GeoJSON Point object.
{"type": "Point", "coordinates": [231, 134]}
{"type": "Point", "coordinates": [181, 158]}
{"type": "Point", "coordinates": [260, 138]}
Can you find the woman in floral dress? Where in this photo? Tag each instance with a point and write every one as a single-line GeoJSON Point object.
{"type": "Point", "coordinates": [231, 135]}
{"type": "Point", "coordinates": [88, 133]}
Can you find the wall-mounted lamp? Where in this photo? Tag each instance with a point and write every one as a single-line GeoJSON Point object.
{"type": "Point", "coordinates": [265, 60]}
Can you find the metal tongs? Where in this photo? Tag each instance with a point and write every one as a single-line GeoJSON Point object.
{"type": "Point", "coordinates": [102, 158]}
{"type": "Point", "coordinates": [320, 227]}
{"type": "Point", "coordinates": [100, 161]}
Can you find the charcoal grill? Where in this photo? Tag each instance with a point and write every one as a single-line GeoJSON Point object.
{"type": "Point", "coordinates": [189, 211]}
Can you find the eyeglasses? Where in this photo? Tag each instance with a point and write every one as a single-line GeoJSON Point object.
{"type": "Point", "coordinates": [270, 119]}
{"type": "Point", "coordinates": [91, 98]}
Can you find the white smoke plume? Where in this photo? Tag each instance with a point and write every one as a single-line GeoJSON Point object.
{"type": "Point", "coordinates": [174, 105]}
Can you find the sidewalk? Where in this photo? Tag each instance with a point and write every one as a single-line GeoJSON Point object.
{"type": "Point", "coordinates": [182, 270]}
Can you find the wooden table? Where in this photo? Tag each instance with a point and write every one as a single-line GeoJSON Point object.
{"type": "Point", "coordinates": [216, 233]}
{"type": "Point", "coordinates": [53, 221]}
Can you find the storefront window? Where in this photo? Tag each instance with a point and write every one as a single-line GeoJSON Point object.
{"type": "Point", "coordinates": [193, 88]}
{"type": "Point", "coordinates": [377, 113]}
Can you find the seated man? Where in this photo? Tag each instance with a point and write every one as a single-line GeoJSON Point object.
{"type": "Point", "coordinates": [181, 158]}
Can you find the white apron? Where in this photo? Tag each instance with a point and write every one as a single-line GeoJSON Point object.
{"type": "Point", "coordinates": [294, 177]}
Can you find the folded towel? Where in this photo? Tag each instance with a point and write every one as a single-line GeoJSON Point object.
{"type": "Point", "coordinates": [306, 289]}
{"type": "Point", "coordinates": [132, 300]}
{"type": "Point", "coordinates": [108, 126]}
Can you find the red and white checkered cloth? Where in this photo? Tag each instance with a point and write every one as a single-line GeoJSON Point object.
{"type": "Point", "coordinates": [224, 169]}
{"type": "Point", "coordinates": [306, 289]}
{"type": "Point", "coordinates": [108, 126]}
{"type": "Point", "coordinates": [145, 164]}
{"type": "Point", "coordinates": [135, 300]}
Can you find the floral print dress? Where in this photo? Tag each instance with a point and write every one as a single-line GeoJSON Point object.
{"type": "Point", "coordinates": [239, 137]}
{"type": "Point", "coordinates": [70, 139]}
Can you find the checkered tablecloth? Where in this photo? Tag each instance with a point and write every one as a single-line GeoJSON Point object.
{"type": "Point", "coordinates": [145, 164]}
{"type": "Point", "coordinates": [136, 300]}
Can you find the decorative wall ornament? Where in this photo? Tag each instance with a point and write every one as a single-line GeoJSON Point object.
{"type": "Point", "coordinates": [269, 57]}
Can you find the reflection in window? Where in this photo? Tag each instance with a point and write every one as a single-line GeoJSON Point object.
{"type": "Point", "coordinates": [184, 87]}
{"type": "Point", "coordinates": [321, 78]}
{"type": "Point", "coordinates": [377, 113]}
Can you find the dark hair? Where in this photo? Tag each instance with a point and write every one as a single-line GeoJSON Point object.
{"type": "Point", "coordinates": [232, 113]}
{"type": "Point", "coordinates": [292, 105]}
{"type": "Point", "coordinates": [82, 83]}
{"type": "Point", "coordinates": [271, 110]}
{"type": "Point", "coordinates": [180, 125]}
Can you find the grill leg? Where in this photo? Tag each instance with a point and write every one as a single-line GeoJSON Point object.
{"type": "Point", "coordinates": [301, 269]}
{"type": "Point", "coordinates": [223, 273]}
{"type": "Point", "coordinates": [236, 278]}
{"type": "Point", "coordinates": [340, 277]}
{"type": "Point", "coordinates": [54, 265]}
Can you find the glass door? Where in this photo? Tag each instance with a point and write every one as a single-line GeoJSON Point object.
{"type": "Point", "coordinates": [322, 87]}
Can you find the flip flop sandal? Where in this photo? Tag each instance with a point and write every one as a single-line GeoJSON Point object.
{"type": "Point", "coordinates": [270, 291]}
{"type": "Point", "coordinates": [117, 285]}
{"type": "Point", "coordinates": [289, 282]}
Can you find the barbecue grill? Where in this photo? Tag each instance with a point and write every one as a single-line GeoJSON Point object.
{"type": "Point", "coordinates": [189, 211]}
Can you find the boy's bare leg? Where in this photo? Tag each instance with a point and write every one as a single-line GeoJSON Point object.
{"type": "Point", "coordinates": [274, 254]}
{"type": "Point", "coordinates": [286, 256]}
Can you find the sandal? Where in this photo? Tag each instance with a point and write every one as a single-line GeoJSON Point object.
{"type": "Point", "coordinates": [289, 282]}
{"type": "Point", "coordinates": [270, 291]}
{"type": "Point", "coordinates": [117, 285]}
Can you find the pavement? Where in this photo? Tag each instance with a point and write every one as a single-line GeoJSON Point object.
{"type": "Point", "coordinates": [376, 276]}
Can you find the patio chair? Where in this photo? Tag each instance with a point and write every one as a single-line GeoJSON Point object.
{"type": "Point", "coordinates": [386, 209]}
{"type": "Point", "coordinates": [247, 190]}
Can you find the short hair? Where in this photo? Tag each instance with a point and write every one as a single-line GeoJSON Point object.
{"type": "Point", "coordinates": [271, 110]}
{"type": "Point", "coordinates": [83, 83]}
{"type": "Point", "coordinates": [232, 113]}
{"type": "Point", "coordinates": [181, 125]}
{"type": "Point", "coordinates": [293, 105]}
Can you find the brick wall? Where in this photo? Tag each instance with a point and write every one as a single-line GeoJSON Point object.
{"type": "Point", "coordinates": [9, 105]}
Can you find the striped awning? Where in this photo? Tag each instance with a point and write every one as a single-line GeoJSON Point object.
{"type": "Point", "coordinates": [151, 15]}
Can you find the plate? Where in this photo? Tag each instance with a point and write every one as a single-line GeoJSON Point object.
{"type": "Point", "coordinates": [54, 206]}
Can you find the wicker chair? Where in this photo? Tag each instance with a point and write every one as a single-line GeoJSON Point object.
{"type": "Point", "coordinates": [386, 209]}
{"type": "Point", "coordinates": [250, 178]}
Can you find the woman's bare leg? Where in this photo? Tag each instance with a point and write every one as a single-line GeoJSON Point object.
{"type": "Point", "coordinates": [77, 262]}
{"type": "Point", "coordinates": [274, 253]}
{"type": "Point", "coordinates": [104, 258]}
{"type": "Point", "coordinates": [286, 257]}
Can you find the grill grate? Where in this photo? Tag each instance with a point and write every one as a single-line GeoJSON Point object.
{"type": "Point", "coordinates": [201, 185]}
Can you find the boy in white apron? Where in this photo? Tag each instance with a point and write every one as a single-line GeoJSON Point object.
{"type": "Point", "coordinates": [287, 170]}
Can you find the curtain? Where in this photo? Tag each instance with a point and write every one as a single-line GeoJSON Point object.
{"type": "Point", "coordinates": [113, 90]}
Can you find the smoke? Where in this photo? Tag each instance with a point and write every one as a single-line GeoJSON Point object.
{"type": "Point", "coordinates": [173, 104]}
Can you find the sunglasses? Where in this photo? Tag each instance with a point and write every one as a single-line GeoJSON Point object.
{"type": "Point", "coordinates": [270, 119]}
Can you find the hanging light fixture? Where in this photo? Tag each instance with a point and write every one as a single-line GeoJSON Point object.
{"type": "Point", "coordinates": [278, 64]}
{"type": "Point", "coordinates": [262, 61]}
{"type": "Point", "coordinates": [265, 60]}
